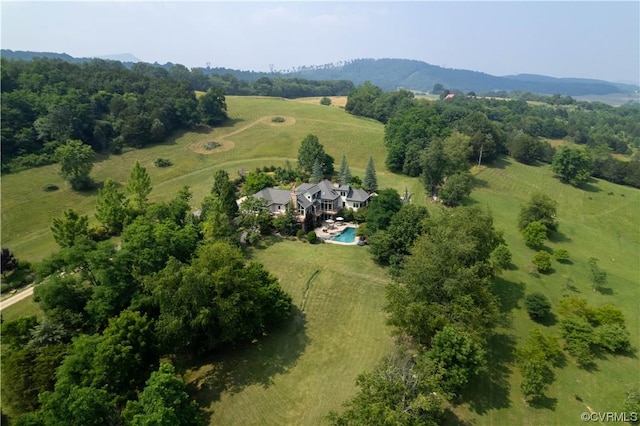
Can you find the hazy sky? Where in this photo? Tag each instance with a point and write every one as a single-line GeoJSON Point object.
{"type": "Point", "coordinates": [560, 39]}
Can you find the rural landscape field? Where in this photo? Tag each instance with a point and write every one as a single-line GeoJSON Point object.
{"type": "Point", "coordinates": [298, 373]}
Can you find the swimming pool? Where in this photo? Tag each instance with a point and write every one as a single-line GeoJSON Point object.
{"type": "Point", "coordinates": [346, 236]}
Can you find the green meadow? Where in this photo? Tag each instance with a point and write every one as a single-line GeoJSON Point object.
{"type": "Point", "coordinates": [298, 373]}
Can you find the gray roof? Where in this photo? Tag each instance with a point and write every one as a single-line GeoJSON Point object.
{"type": "Point", "coordinates": [303, 202]}
{"type": "Point", "coordinates": [328, 190]}
{"type": "Point", "coordinates": [274, 196]}
{"type": "Point", "coordinates": [357, 194]}
{"type": "Point", "coordinates": [312, 188]}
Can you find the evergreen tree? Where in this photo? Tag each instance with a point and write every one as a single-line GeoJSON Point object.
{"type": "Point", "coordinates": [345, 173]}
{"type": "Point", "coordinates": [224, 190]}
{"type": "Point", "coordinates": [316, 172]}
{"type": "Point", "coordinates": [139, 185]}
{"type": "Point", "coordinates": [110, 207]}
{"type": "Point", "coordinates": [370, 179]}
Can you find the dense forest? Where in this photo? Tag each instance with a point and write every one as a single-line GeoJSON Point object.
{"type": "Point", "coordinates": [499, 126]}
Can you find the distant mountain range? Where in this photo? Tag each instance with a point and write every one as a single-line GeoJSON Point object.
{"type": "Point", "coordinates": [392, 74]}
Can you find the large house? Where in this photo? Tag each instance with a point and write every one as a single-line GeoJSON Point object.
{"type": "Point", "coordinates": [323, 199]}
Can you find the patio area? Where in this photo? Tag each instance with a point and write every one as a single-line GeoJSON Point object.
{"type": "Point", "coordinates": [331, 228]}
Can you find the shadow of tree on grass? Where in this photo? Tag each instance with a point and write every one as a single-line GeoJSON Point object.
{"type": "Point", "coordinates": [509, 295]}
{"type": "Point", "coordinates": [233, 369]}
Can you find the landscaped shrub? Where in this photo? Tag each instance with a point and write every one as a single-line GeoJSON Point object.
{"type": "Point", "coordinates": [277, 120]}
{"type": "Point", "coordinates": [538, 306]}
{"type": "Point", "coordinates": [163, 162]}
{"type": "Point", "coordinates": [300, 234]}
{"type": "Point", "coordinates": [561, 255]}
{"type": "Point", "coordinates": [542, 261]}
{"type": "Point", "coordinates": [311, 237]}
{"type": "Point", "coordinates": [50, 187]}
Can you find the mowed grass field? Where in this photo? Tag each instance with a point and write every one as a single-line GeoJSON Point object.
{"type": "Point", "coordinates": [296, 375]}
{"type": "Point", "coordinates": [601, 221]}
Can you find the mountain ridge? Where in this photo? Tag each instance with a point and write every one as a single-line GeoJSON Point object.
{"type": "Point", "coordinates": [393, 73]}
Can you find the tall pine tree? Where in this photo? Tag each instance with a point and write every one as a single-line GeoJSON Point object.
{"type": "Point", "coordinates": [345, 173]}
{"type": "Point", "coordinates": [316, 172]}
{"type": "Point", "coordinates": [370, 182]}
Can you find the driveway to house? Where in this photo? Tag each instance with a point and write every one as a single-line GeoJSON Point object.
{"type": "Point", "coordinates": [16, 298]}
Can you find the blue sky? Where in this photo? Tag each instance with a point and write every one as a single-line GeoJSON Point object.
{"type": "Point", "coordinates": [561, 39]}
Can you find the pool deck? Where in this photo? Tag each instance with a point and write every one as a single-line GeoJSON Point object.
{"type": "Point", "coordinates": [327, 231]}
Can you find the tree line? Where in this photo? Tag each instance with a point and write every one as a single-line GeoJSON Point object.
{"type": "Point", "coordinates": [507, 127]}
{"type": "Point", "coordinates": [46, 102]}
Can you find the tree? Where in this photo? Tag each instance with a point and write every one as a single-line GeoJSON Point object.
{"type": "Point", "coordinates": [501, 257]}
{"type": "Point", "coordinates": [370, 182]}
{"type": "Point", "coordinates": [163, 402]}
{"type": "Point", "coordinates": [111, 210]}
{"type": "Point", "coordinates": [446, 279]}
{"type": "Point", "coordinates": [391, 246]}
{"type": "Point", "coordinates": [534, 234]}
{"type": "Point", "coordinates": [598, 276]}
{"type": "Point", "coordinates": [224, 190]}
{"type": "Point", "coordinates": [539, 208]}
{"type": "Point", "coordinates": [538, 306]}
{"type": "Point", "coordinates": [212, 107]}
{"type": "Point", "coordinates": [256, 181]}
{"type": "Point", "coordinates": [217, 225]}
{"type": "Point", "coordinates": [139, 186]}
{"type": "Point", "coordinates": [561, 255]}
{"type": "Point", "coordinates": [316, 172]}
{"type": "Point", "coordinates": [381, 209]}
{"type": "Point", "coordinates": [310, 151]}
{"type": "Point", "coordinates": [325, 101]}
{"type": "Point", "coordinates": [242, 301]}
{"type": "Point", "coordinates": [125, 355]}
{"type": "Point", "coordinates": [573, 165]}
{"type": "Point", "coordinates": [399, 391]}
{"type": "Point", "coordinates": [8, 261]}
{"type": "Point", "coordinates": [345, 174]}
{"type": "Point", "coordinates": [542, 261]}
{"type": "Point", "coordinates": [455, 189]}
{"type": "Point", "coordinates": [78, 406]}
{"type": "Point", "coordinates": [76, 162]}
{"type": "Point", "coordinates": [458, 356]}
{"type": "Point", "coordinates": [286, 223]}
{"type": "Point", "coordinates": [536, 359]}
{"type": "Point", "coordinates": [434, 164]}
{"type": "Point", "coordinates": [67, 231]}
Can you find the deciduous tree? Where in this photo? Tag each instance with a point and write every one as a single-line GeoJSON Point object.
{"type": "Point", "coordinates": [76, 162]}
{"type": "Point", "coordinates": [573, 165]}
{"type": "Point", "coordinates": [139, 186]}
{"type": "Point", "coordinates": [111, 209]}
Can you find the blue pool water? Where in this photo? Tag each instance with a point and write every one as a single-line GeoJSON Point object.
{"type": "Point", "coordinates": [346, 236]}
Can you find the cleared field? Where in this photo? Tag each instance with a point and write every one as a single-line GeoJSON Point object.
{"type": "Point", "coordinates": [298, 374]}
{"type": "Point", "coordinates": [256, 141]}
{"type": "Point", "coordinates": [602, 222]}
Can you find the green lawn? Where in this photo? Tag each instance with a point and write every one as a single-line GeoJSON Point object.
{"type": "Point", "coordinates": [24, 307]}
{"type": "Point", "coordinates": [602, 222]}
{"type": "Point", "coordinates": [299, 373]}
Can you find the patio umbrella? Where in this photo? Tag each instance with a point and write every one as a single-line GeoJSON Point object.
{"type": "Point", "coordinates": [329, 220]}
{"type": "Point", "coordinates": [340, 218]}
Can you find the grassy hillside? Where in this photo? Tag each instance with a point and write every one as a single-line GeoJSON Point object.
{"type": "Point", "coordinates": [249, 140]}
{"type": "Point", "coordinates": [301, 372]}
{"type": "Point", "coordinates": [602, 222]}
